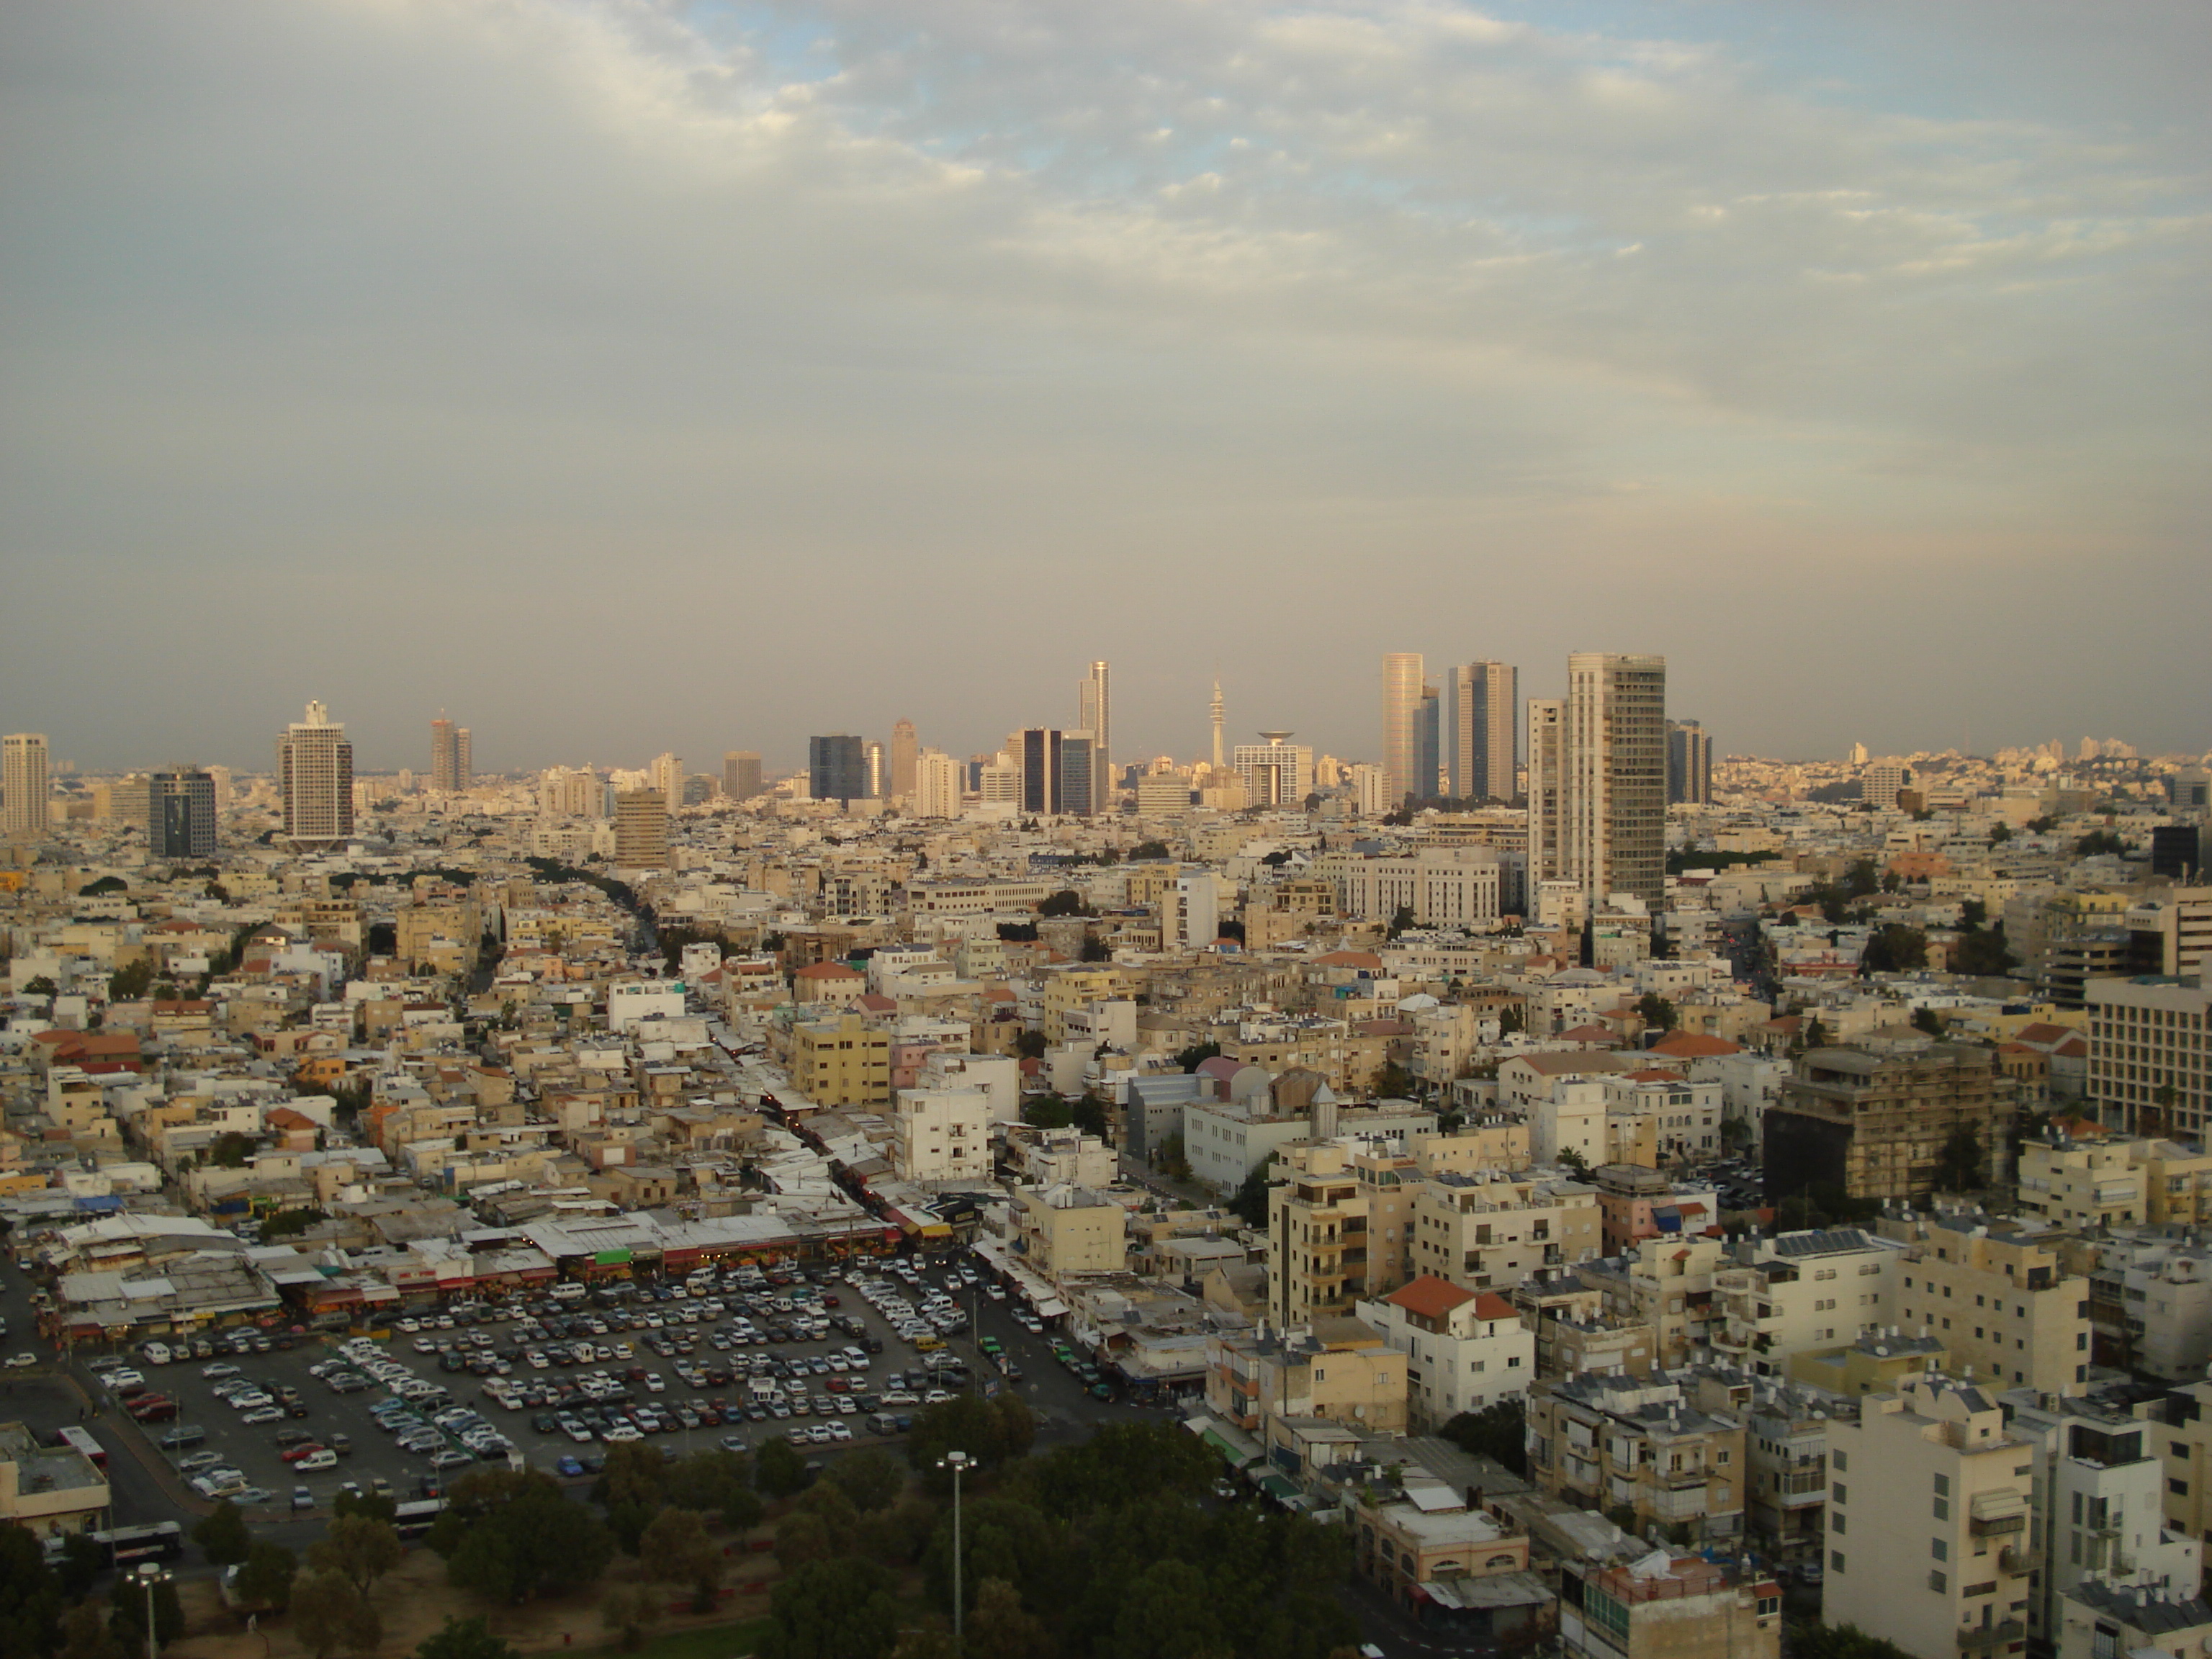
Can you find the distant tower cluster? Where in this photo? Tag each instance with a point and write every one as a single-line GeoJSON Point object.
{"type": "Point", "coordinates": [23, 777]}
{"type": "Point", "coordinates": [315, 774]}
{"type": "Point", "coordinates": [452, 762]}
{"type": "Point", "coordinates": [1597, 779]}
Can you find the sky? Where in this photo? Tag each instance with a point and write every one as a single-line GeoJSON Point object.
{"type": "Point", "coordinates": [625, 377]}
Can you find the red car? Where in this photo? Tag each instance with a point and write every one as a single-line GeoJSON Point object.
{"type": "Point", "coordinates": [306, 1448]}
{"type": "Point", "coordinates": [153, 1409]}
{"type": "Point", "coordinates": [830, 1301]}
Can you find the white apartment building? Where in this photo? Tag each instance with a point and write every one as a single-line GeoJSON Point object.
{"type": "Point", "coordinates": [1684, 1116]}
{"type": "Point", "coordinates": [999, 1076]}
{"type": "Point", "coordinates": [1443, 886]}
{"type": "Point", "coordinates": [1804, 1291]}
{"type": "Point", "coordinates": [1466, 1350]}
{"type": "Point", "coordinates": [2150, 1067]}
{"type": "Point", "coordinates": [1190, 915]}
{"type": "Point", "coordinates": [1224, 1145]}
{"type": "Point", "coordinates": [941, 1135]}
{"type": "Point", "coordinates": [936, 791]}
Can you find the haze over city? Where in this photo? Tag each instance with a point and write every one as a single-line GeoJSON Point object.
{"type": "Point", "coordinates": [684, 377]}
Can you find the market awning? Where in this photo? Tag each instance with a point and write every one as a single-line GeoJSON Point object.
{"type": "Point", "coordinates": [1277, 1487]}
{"type": "Point", "coordinates": [1051, 1308]}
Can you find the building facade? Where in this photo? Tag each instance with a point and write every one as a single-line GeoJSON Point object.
{"type": "Point", "coordinates": [314, 775]}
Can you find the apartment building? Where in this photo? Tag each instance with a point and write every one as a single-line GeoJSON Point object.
{"type": "Point", "coordinates": [1318, 1258]}
{"type": "Point", "coordinates": [1877, 1122]}
{"type": "Point", "coordinates": [1667, 1607]}
{"type": "Point", "coordinates": [1999, 1298]}
{"type": "Point", "coordinates": [49, 1491]}
{"type": "Point", "coordinates": [1803, 1291]}
{"type": "Point", "coordinates": [1466, 1350]}
{"type": "Point", "coordinates": [1335, 1368]}
{"type": "Point", "coordinates": [843, 1061]}
{"type": "Point", "coordinates": [941, 1135]}
{"type": "Point", "coordinates": [1930, 1499]}
{"type": "Point", "coordinates": [1489, 1230]}
{"type": "Point", "coordinates": [1665, 1286]}
{"type": "Point", "coordinates": [1638, 1449]}
{"type": "Point", "coordinates": [2080, 1184]}
{"type": "Point", "coordinates": [2098, 1620]}
{"type": "Point", "coordinates": [2150, 1306]}
{"type": "Point", "coordinates": [1062, 1231]}
{"type": "Point", "coordinates": [2150, 1053]}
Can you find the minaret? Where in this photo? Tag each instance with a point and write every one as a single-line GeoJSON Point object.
{"type": "Point", "coordinates": [1216, 724]}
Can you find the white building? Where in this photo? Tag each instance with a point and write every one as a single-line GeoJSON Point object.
{"type": "Point", "coordinates": [999, 1076]}
{"type": "Point", "coordinates": [941, 1135]}
{"type": "Point", "coordinates": [1443, 886]}
{"type": "Point", "coordinates": [644, 999]}
{"type": "Point", "coordinates": [1225, 1144]}
{"type": "Point", "coordinates": [1801, 1292]}
{"type": "Point", "coordinates": [1190, 916]}
{"type": "Point", "coordinates": [1464, 1350]}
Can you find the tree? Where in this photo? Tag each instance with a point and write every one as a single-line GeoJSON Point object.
{"type": "Point", "coordinates": [1959, 1167]}
{"type": "Point", "coordinates": [1002, 1628]}
{"type": "Point", "coordinates": [1251, 1204]}
{"type": "Point", "coordinates": [127, 1600]}
{"type": "Point", "coordinates": [1065, 903]}
{"type": "Point", "coordinates": [778, 1469]}
{"type": "Point", "coordinates": [87, 1634]}
{"type": "Point", "coordinates": [676, 1548]}
{"type": "Point", "coordinates": [1815, 1640]}
{"type": "Point", "coordinates": [720, 1483]}
{"type": "Point", "coordinates": [131, 981]}
{"type": "Point", "coordinates": [1894, 948]}
{"type": "Point", "coordinates": [1572, 1160]}
{"type": "Point", "coordinates": [329, 1613]}
{"type": "Point", "coordinates": [508, 1536]}
{"type": "Point", "coordinates": [376, 1505]}
{"type": "Point", "coordinates": [464, 1638]}
{"type": "Point", "coordinates": [1925, 1019]}
{"type": "Point", "coordinates": [83, 1562]}
{"type": "Point", "coordinates": [1401, 919]}
{"type": "Point", "coordinates": [990, 1431]}
{"type": "Point", "coordinates": [1047, 1111]}
{"type": "Point", "coordinates": [222, 1537]}
{"type": "Point", "coordinates": [1030, 1045]}
{"type": "Point", "coordinates": [40, 985]}
{"type": "Point", "coordinates": [102, 887]}
{"type": "Point", "coordinates": [1148, 849]}
{"type": "Point", "coordinates": [2100, 844]}
{"type": "Point", "coordinates": [870, 1477]}
{"type": "Point", "coordinates": [802, 1536]}
{"type": "Point", "coordinates": [1088, 1114]}
{"type": "Point", "coordinates": [1395, 1082]}
{"type": "Point", "coordinates": [842, 1609]}
{"type": "Point", "coordinates": [2000, 835]}
{"type": "Point", "coordinates": [1656, 1012]}
{"type": "Point", "coordinates": [1197, 1054]}
{"type": "Point", "coordinates": [1498, 1433]}
{"type": "Point", "coordinates": [627, 1609]}
{"type": "Point", "coordinates": [232, 1150]}
{"type": "Point", "coordinates": [30, 1599]}
{"type": "Point", "coordinates": [1983, 954]}
{"type": "Point", "coordinates": [265, 1580]}
{"type": "Point", "coordinates": [361, 1547]}
{"type": "Point", "coordinates": [285, 1222]}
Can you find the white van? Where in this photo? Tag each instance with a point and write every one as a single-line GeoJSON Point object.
{"type": "Point", "coordinates": [157, 1354]}
{"type": "Point", "coordinates": [567, 1292]}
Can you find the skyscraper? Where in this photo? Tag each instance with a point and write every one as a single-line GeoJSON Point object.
{"type": "Point", "coordinates": [450, 759]}
{"type": "Point", "coordinates": [936, 779]}
{"type": "Point", "coordinates": [180, 814]}
{"type": "Point", "coordinates": [1429, 744]}
{"type": "Point", "coordinates": [1057, 772]}
{"type": "Point", "coordinates": [23, 775]}
{"type": "Point", "coordinates": [1546, 769]}
{"type": "Point", "coordinates": [1215, 711]}
{"type": "Point", "coordinates": [641, 828]}
{"type": "Point", "coordinates": [314, 772]}
{"type": "Point", "coordinates": [877, 769]}
{"type": "Point", "coordinates": [904, 751]}
{"type": "Point", "coordinates": [1483, 727]}
{"type": "Point", "coordinates": [667, 774]}
{"type": "Point", "coordinates": [741, 773]}
{"type": "Point", "coordinates": [1402, 710]}
{"type": "Point", "coordinates": [837, 768]}
{"type": "Point", "coordinates": [1689, 764]}
{"type": "Point", "coordinates": [1094, 703]}
{"type": "Point", "coordinates": [1614, 793]}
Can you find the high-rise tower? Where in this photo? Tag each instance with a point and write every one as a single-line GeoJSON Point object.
{"type": "Point", "coordinates": [450, 759]}
{"type": "Point", "coordinates": [23, 775]}
{"type": "Point", "coordinates": [1546, 766]}
{"type": "Point", "coordinates": [741, 773]}
{"type": "Point", "coordinates": [1094, 703]}
{"type": "Point", "coordinates": [1401, 711]}
{"type": "Point", "coordinates": [1689, 764]}
{"type": "Point", "coordinates": [1614, 779]}
{"type": "Point", "coordinates": [180, 814]}
{"type": "Point", "coordinates": [1216, 712]}
{"type": "Point", "coordinates": [903, 751]}
{"type": "Point", "coordinates": [1483, 727]}
{"type": "Point", "coordinates": [837, 768]}
{"type": "Point", "coordinates": [314, 772]}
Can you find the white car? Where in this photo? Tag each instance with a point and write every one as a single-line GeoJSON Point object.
{"type": "Point", "coordinates": [116, 1380]}
{"type": "Point", "coordinates": [17, 1362]}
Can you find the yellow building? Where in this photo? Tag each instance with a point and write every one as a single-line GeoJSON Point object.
{"type": "Point", "coordinates": [1639, 1443]}
{"type": "Point", "coordinates": [844, 1061]}
{"type": "Point", "coordinates": [48, 1490]}
{"type": "Point", "coordinates": [1335, 1368]}
{"type": "Point", "coordinates": [1999, 1300]}
{"type": "Point", "coordinates": [1062, 1231]}
{"type": "Point", "coordinates": [1069, 988]}
{"type": "Point", "coordinates": [1489, 1230]}
{"type": "Point", "coordinates": [2081, 1183]}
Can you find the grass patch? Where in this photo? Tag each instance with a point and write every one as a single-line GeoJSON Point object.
{"type": "Point", "coordinates": [708, 1642]}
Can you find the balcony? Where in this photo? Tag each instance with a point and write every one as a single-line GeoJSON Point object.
{"type": "Point", "coordinates": [1991, 1639]}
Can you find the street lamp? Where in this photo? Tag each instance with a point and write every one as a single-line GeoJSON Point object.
{"type": "Point", "coordinates": [957, 1461]}
{"type": "Point", "coordinates": [150, 1574]}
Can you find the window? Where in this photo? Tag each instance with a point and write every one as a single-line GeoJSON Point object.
{"type": "Point", "coordinates": [1835, 1561]}
{"type": "Point", "coordinates": [1942, 1486]}
{"type": "Point", "coordinates": [1937, 1582]}
{"type": "Point", "coordinates": [1835, 1492]}
{"type": "Point", "coordinates": [2178, 1488]}
{"type": "Point", "coordinates": [1939, 1549]}
{"type": "Point", "coordinates": [1836, 1525]}
{"type": "Point", "coordinates": [1839, 1459]}
{"type": "Point", "coordinates": [1942, 1509]}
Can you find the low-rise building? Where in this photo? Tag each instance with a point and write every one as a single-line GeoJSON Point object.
{"type": "Point", "coordinates": [1466, 1350]}
{"type": "Point", "coordinates": [1638, 1449]}
{"type": "Point", "coordinates": [1063, 1230]}
{"type": "Point", "coordinates": [49, 1491]}
{"type": "Point", "coordinates": [1663, 1606]}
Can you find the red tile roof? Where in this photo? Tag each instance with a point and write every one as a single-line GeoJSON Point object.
{"type": "Point", "coordinates": [822, 970]}
{"type": "Point", "coordinates": [1430, 1297]}
{"type": "Point", "coordinates": [1695, 1045]}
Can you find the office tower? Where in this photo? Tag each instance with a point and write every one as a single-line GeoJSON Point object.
{"type": "Point", "coordinates": [1370, 788]}
{"type": "Point", "coordinates": [450, 759]}
{"type": "Point", "coordinates": [180, 814]}
{"type": "Point", "coordinates": [1690, 764]}
{"type": "Point", "coordinates": [936, 784]}
{"type": "Point", "coordinates": [837, 768]}
{"type": "Point", "coordinates": [1275, 773]}
{"type": "Point", "coordinates": [2189, 790]}
{"type": "Point", "coordinates": [1613, 777]}
{"type": "Point", "coordinates": [1429, 740]}
{"type": "Point", "coordinates": [1058, 771]}
{"type": "Point", "coordinates": [23, 776]}
{"type": "Point", "coordinates": [1878, 782]}
{"type": "Point", "coordinates": [666, 775]}
{"type": "Point", "coordinates": [1858, 754]}
{"type": "Point", "coordinates": [315, 774]}
{"type": "Point", "coordinates": [903, 751]}
{"type": "Point", "coordinates": [1078, 773]}
{"type": "Point", "coordinates": [1547, 728]}
{"type": "Point", "coordinates": [1401, 711]}
{"type": "Point", "coordinates": [1216, 712]}
{"type": "Point", "coordinates": [1482, 729]}
{"type": "Point", "coordinates": [129, 799]}
{"type": "Point", "coordinates": [1094, 701]}
{"type": "Point", "coordinates": [874, 768]}
{"type": "Point", "coordinates": [641, 828]}
{"type": "Point", "coordinates": [741, 773]}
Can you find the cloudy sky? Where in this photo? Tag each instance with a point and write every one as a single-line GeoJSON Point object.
{"type": "Point", "coordinates": [624, 376]}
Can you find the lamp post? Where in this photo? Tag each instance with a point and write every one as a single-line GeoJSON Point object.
{"type": "Point", "coordinates": [957, 1461]}
{"type": "Point", "coordinates": [150, 1574]}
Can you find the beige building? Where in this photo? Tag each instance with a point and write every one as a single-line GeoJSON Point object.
{"type": "Point", "coordinates": [1335, 1368]}
{"type": "Point", "coordinates": [1639, 1449]}
{"type": "Point", "coordinates": [940, 1135]}
{"type": "Point", "coordinates": [1999, 1298]}
{"type": "Point", "coordinates": [1317, 1235]}
{"type": "Point", "coordinates": [1491, 1230]}
{"type": "Point", "coordinates": [2150, 1055]}
{"type": "Point", "coordinates": [2080, 1183]}
{"type": "Point", "coordinates": [2098, 1620]}
{"type": "Point", "coordinates": [1666, 1286]}
{"type": "Point", "coordinates": [641, 830]}
{"type": "Point", "coordinates": [1667, 1607]}
{"type": "Point", "coordinates": [1877, 1122]}
{"type": "Point", "coordinates": [1063, 1230]}
{"type": "Point", "coordinates": [843, 1061]}
{"type": "Point", "coordinates": [1803, 1291]}
{"type": "Point", "coordinates": [48, 1490]}
{"type": "Point", "coordinates": [1928, 1503]}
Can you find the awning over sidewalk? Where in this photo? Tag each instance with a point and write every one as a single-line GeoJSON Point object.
{"type": "Point", "coordinates": [1234, 1447]}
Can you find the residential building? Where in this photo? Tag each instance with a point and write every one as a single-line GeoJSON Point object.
{"type": "Point", "coordinates": [837, 768]}
{"type": "Point", "coordinates": [2150, 1305]}
{"type": "Point", "coordinates": [1881, 1123]}
{"type": "Point", "coordinates": [1638, 1447]}
{"type": "Point", "coordinates": [1803, 1291]}
{"type": "Point", "coordinates": [24, 788]}
{"type": "Point", "coordinates": [941, 1135]}
{"type": "Point", "coordinates": [1401, 711]}
{"type": "Point", "coordinates": [314, 775]}
{"type": "Point", "coordinates": [180, 814]}
{"type": "Point", "coordinates": [1666, 1285]}
{"type": "Point", "coordinates": [1547, 782]}
{"type": "Point", "coordinates": [1999, 1298]}
{"type": "Point", "coordinates": [1440, 1555]}
{"type": "Point", "coordinates": [1929, 1500]}
{"type": "Point", "coordinates": [1667, 1607]}
{"type": "Point", "coordinates": [1317, 1237]}
{"type": "Point", "coordinates": [844, 1061]}
{"type": "Point", "coordinates": [1786, 1447]}
{"type": "Point", "coordinates": [1336, 1368]}
{"type": "Point", "coordinates": [904, 751]}
{"type": "Point", "coordinates": [1441, 886]}
{"type": "Point", "coordinates": [2150, 1053]}
{"type": "Point", "coordinates": [2170, 932]}
{"type": "Point", "coordinates": [1466, 1350]}
{"type": "Point", "coordinates": [665, 776]}
{"type": "Point", "coordinates": [936, 784]}
{"type": "Point", "coordinates": [1489, 1230]}
{"type": "Point", "coordinates": [2081, 1183]}
{"type": "Point", "coordinates": [2098, 1620]}
{"type": "Point", "coordinates": [1612, 806]}
{"type": "Point", "coordinates": [1484, 730]}
{"type": "Point", "coordinates": [741, 773]}
{"type": "Point", "coordinates": [1063, 1229]}
{"type": "Point", "coordinates": [451, 762]}
{"type": "Point", "coordinates": [641, 830]}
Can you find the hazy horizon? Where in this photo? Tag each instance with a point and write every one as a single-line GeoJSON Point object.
{"type": "Point", "coordinates": [629, 378]}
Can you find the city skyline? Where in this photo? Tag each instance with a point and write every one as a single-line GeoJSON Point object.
{"type": "Point", "coordinates": [1768, 342]}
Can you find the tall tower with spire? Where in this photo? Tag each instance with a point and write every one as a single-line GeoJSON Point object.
{"type": "Point", "coordinates": [1217, 722]}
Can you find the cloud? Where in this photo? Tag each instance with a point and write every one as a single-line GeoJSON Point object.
{"type": "Point", "coordinates": [857, 359]}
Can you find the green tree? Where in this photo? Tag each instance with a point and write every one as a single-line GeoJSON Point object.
{"type": "Point", "coordinates": [1030, 1045]}
{"type": "Point", "coordinates": [376, 1505]}
{"type": "Point", "coordinates": [509, 1536]}
{"type": "Point", "coordinates": [778, 1468]}
{"type": "Point", "coordinates": [840, 1609]}
{"type": "Point", "coordinates": [627, 1609]}
{"type": "Point", "coordinates": [1894, 948]}
{"type": "Point", "coordinates": [1088, 1114]}
{"type": "Point", "coordinates": [804, 1535]}
{"type": "Point", "coordinates": [1498, 1433]}
{"type": "Point", "coordinates": [1197, 1054]}
{"type": "Point", "coordinates": [360, 1547]}
{"type": "Point", "coordinates": [1148, 849]}
{"type": "Point", "coordinates": [1002, 1628]}
{"type": "Point", "coordinates": [1251, 1204]}
{"type": "Point", "coordinates": [464, 1638]}
{"type": "Point", "coordinates": [40, 985]}
{"type": "Point", "coordinates": [1395, 1082]}
{"type": "Point", "coordinates": [2000, 835]}
{"type": "Point", "coordinates": [87, 1634]}
{"type": "Point", "coordinates": [329, 1613]}
{"type": "Point", "coordinates": [720, 1482]}
{"type": "Point", "coordinates": [676, 1548]}
{"type": "Point", "coordinates": [83, 1562]}
{"type": "Point", "coordinates": [1065, 903]}
{"type": "Point", "coordinates": [1402, 921]}
{"type": "Point", "coordinates": [990, 1431]}
{"type": "Point", "coordinates": [1170, 1613]}
{"type": "Point", "coordinates": [102, 887]}
{"type": "Point", "coordinates": [131, 981]}
{"type": "Point", "coordinates": [1814, 1640]}
{"type": "Point", "coordinates": [1047, 1111]}
{"type": "Point", "coordinates": [285, 1222]}
{"type": "Point", "coordinates": [1120, 1463]}
{"type": "Point", "coordinates": [222, 1537]}
{"type": "Point", "coordinates": [30, 1596]}
{"type": "Point", "coordinates": [265, 1580]}
{"type": "Point", "coordinates": [1656, 1012]}
{"type": "Point", "coordinates": [1984, 954]}
{"type": "Point", "coordinates": [1925, 1019]}
{"type": "Point", "coordinates": [2100, 844]}
{"type": "Point", "coordinates": [127, 1600]}
{"type": "Point", "coordinates": [232, 1150]}
{"type": "Point", "coordinates": [1959, 1167]}
{"type": "Point", "coordinates": [870, 1477]}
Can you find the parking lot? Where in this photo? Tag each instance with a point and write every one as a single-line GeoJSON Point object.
{"type": "Point", "coordinates": [720, 1360]}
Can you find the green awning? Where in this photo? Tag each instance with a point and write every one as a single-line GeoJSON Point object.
{"type": "Point", "coordinates": [1279, 1487]}
{"type": "Point", "coordinates": [1229, 1453]}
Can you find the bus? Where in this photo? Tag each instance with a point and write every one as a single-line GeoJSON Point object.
{"type": "Point", "coordinates": [80, 1440]}
{"type": "Point", "coordinates": [413, 1519]}
{"type": "Point", "coordinates": [160, 1540]}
